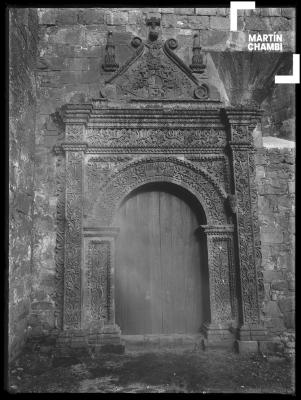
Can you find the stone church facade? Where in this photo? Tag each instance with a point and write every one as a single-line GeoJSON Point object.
{"type": "Point", "coordinates": [118, 101]}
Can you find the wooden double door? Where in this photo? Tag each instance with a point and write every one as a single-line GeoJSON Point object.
{"type": "Point", "coordinates": [160, 278]}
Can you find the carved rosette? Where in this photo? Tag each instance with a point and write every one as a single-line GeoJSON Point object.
{"type": "Point", "coordinates": [73, 240]}
{"type": "Point", "coordinates": [223, 304]}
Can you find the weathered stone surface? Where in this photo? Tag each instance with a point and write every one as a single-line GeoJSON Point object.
{"type": "Point", "coordinates": [220, 23]}
{"type": "Point", "coordinates": [246, 346]}
{"type": "Point", "coordinates": [71, 52]}
{"type": "Point", "coordinates": [184, 11]}
{"type": "Point", "coordinates": [116, 18]}
{"type": "Point", "coordinates": [67, 16]}
{"type": "Point", "coordinates": [22, 112]}
{"type": "Point", "coordinates": [288, 12]}
{"type": "Point", "coordinates": [91, 16]}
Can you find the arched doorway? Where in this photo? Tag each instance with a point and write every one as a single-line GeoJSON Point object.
{"type": "Point", "coordinates": [161, 276]}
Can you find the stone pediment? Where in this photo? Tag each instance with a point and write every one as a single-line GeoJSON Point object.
{"type": "Point", "coordinates": [155, 72]}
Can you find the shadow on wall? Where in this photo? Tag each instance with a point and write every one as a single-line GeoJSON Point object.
{"type": "Point", "coordinates": [250, 76]}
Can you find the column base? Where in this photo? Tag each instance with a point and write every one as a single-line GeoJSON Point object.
{"type": "Point", "coordinates": [107, 340]}
{"type": "Point", "coordinates": [255, 332]}
{"type": "Point", "coordinates": [217, 335]}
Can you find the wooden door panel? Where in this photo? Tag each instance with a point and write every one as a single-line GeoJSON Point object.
{"type": "Point", "coordinates": [157, 277]}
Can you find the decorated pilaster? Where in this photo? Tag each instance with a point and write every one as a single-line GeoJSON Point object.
{"type": "Point", "coordinates": [223, 308]}
{"type": "Point", "coordinates": [241, 123]}
{"type": "Point", "coordinates": [100, 296]}
{"type": "Point", "coordinates": [74, 150]}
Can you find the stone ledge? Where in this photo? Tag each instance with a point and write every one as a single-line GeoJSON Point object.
{"type": "Point", "coordinates": [246, 346]}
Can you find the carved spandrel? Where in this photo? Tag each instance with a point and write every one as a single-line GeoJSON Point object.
{"type": "Point", "coordinates": [97, 172]}
{"type": "Point", "coordinates": [215, 165]}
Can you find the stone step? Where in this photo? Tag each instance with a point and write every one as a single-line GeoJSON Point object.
{"type": "Point", "coordinates": [154, 341]}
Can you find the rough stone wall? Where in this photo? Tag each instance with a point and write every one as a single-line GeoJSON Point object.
{"type": "Point", "coordinates": [70, 55]}
{"type": "Point", "coordinates": [276, 201]}
{"type": "Point", "coordinates": [23, 28]}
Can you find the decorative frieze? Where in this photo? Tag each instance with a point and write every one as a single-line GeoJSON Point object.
{"type": "Point", "coordinates": [172, 138]}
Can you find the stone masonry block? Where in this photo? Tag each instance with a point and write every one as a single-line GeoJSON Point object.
{"type": "Point", "coordinates": [184, 11]}
{"type": "Point", "coordinates": [198, 22]}
{"type": "Point", "coordinates": [135, 17]}
{"type": "Point", "coordinates": [287, 305]}
{"type": "Point", "coordinates": [116, 18]}
{"type": "Point", "coordinates": [279, 285]}
{"type": "Point", "coordinates": [67, 16]}
{"type": "Point", "coordinates": [270, 12]}
{"type": "Point", "coordinates": [47, 16]}
{"type": "Point", "coordinates": [271, 236]}
{"type": "Point", "coordinates": [289, 320]}
{"type": "Point", "coordinates": [280, 23]}
{"type": "Point", "coordinates": [91, 16]}
{"type": "Point", "coordinates": [206, 11]}
{"type": "Point", "coordinates": [271, 309]}
{"type": "Point", "coordinates": [169, 20]}
{"type": "Point", "coordinates": [246, 346]}
{"type": "Point", "coordinates": [167, 10]}
{"type": "Point", "coordinates": [223, 11]}
{"type": "Point", "coordinates": [257, 23]}
{"type": "Point", "coordinates": [270, 276]}
{"type": "Point", "coordinates": [288, 12]}
{"type": "Point", "coordinates": [220, 23]}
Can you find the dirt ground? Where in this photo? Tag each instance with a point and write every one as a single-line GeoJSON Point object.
{"type": "Point", "coordinates": [173, 371]}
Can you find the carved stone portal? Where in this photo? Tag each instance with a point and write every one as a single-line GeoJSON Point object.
{"type": "Point", "coordinates": [168, 131]}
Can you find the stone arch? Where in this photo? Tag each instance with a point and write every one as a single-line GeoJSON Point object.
{"type": "Point", "coordinates": [161, 169]}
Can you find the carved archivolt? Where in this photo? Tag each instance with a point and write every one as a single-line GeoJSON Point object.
{"type": "Point", "coordinates": [165, 169]}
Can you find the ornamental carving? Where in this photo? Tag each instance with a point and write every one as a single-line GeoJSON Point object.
{"type": "Point", "coordinates": [98, 170]}
{"type": "Point", "coordinates": [220, 265]}
{"type": "Point", "coordinates": [60, 239]}
{"type": "Point", "coordinates": [74, 133]}
{"type": "Point", "coordinates": [197, 148]}
{"type": "Point", "coordinates": [215, 165]}
{"type": "Point", "coordinates": [171, 138]}
{"type": "Point", "coordinates": [99, 270]}
{"type": "Point", "coordinates": [73, 240]}
{"type": "Point", "coordinates": [245, 225]}
{"type": "Point", "coordinates": [169, 169]}
{"type": "Point", "coordinates": [156, 72]}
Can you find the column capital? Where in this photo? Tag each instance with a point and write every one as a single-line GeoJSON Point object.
{"type": "Point", "coordinates": [217, 230]}
{"type": "Point", "coordinates": [243, 114]}
{"type": "Point", "coordinates": [102, 231]}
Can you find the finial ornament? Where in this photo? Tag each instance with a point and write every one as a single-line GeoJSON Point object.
{"type": "Point", "coordinates": [153, 24]}
{"type": "Point", "coordinates": [198, 63]}
{"type": "Point", "coordinates": [110, 64]}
